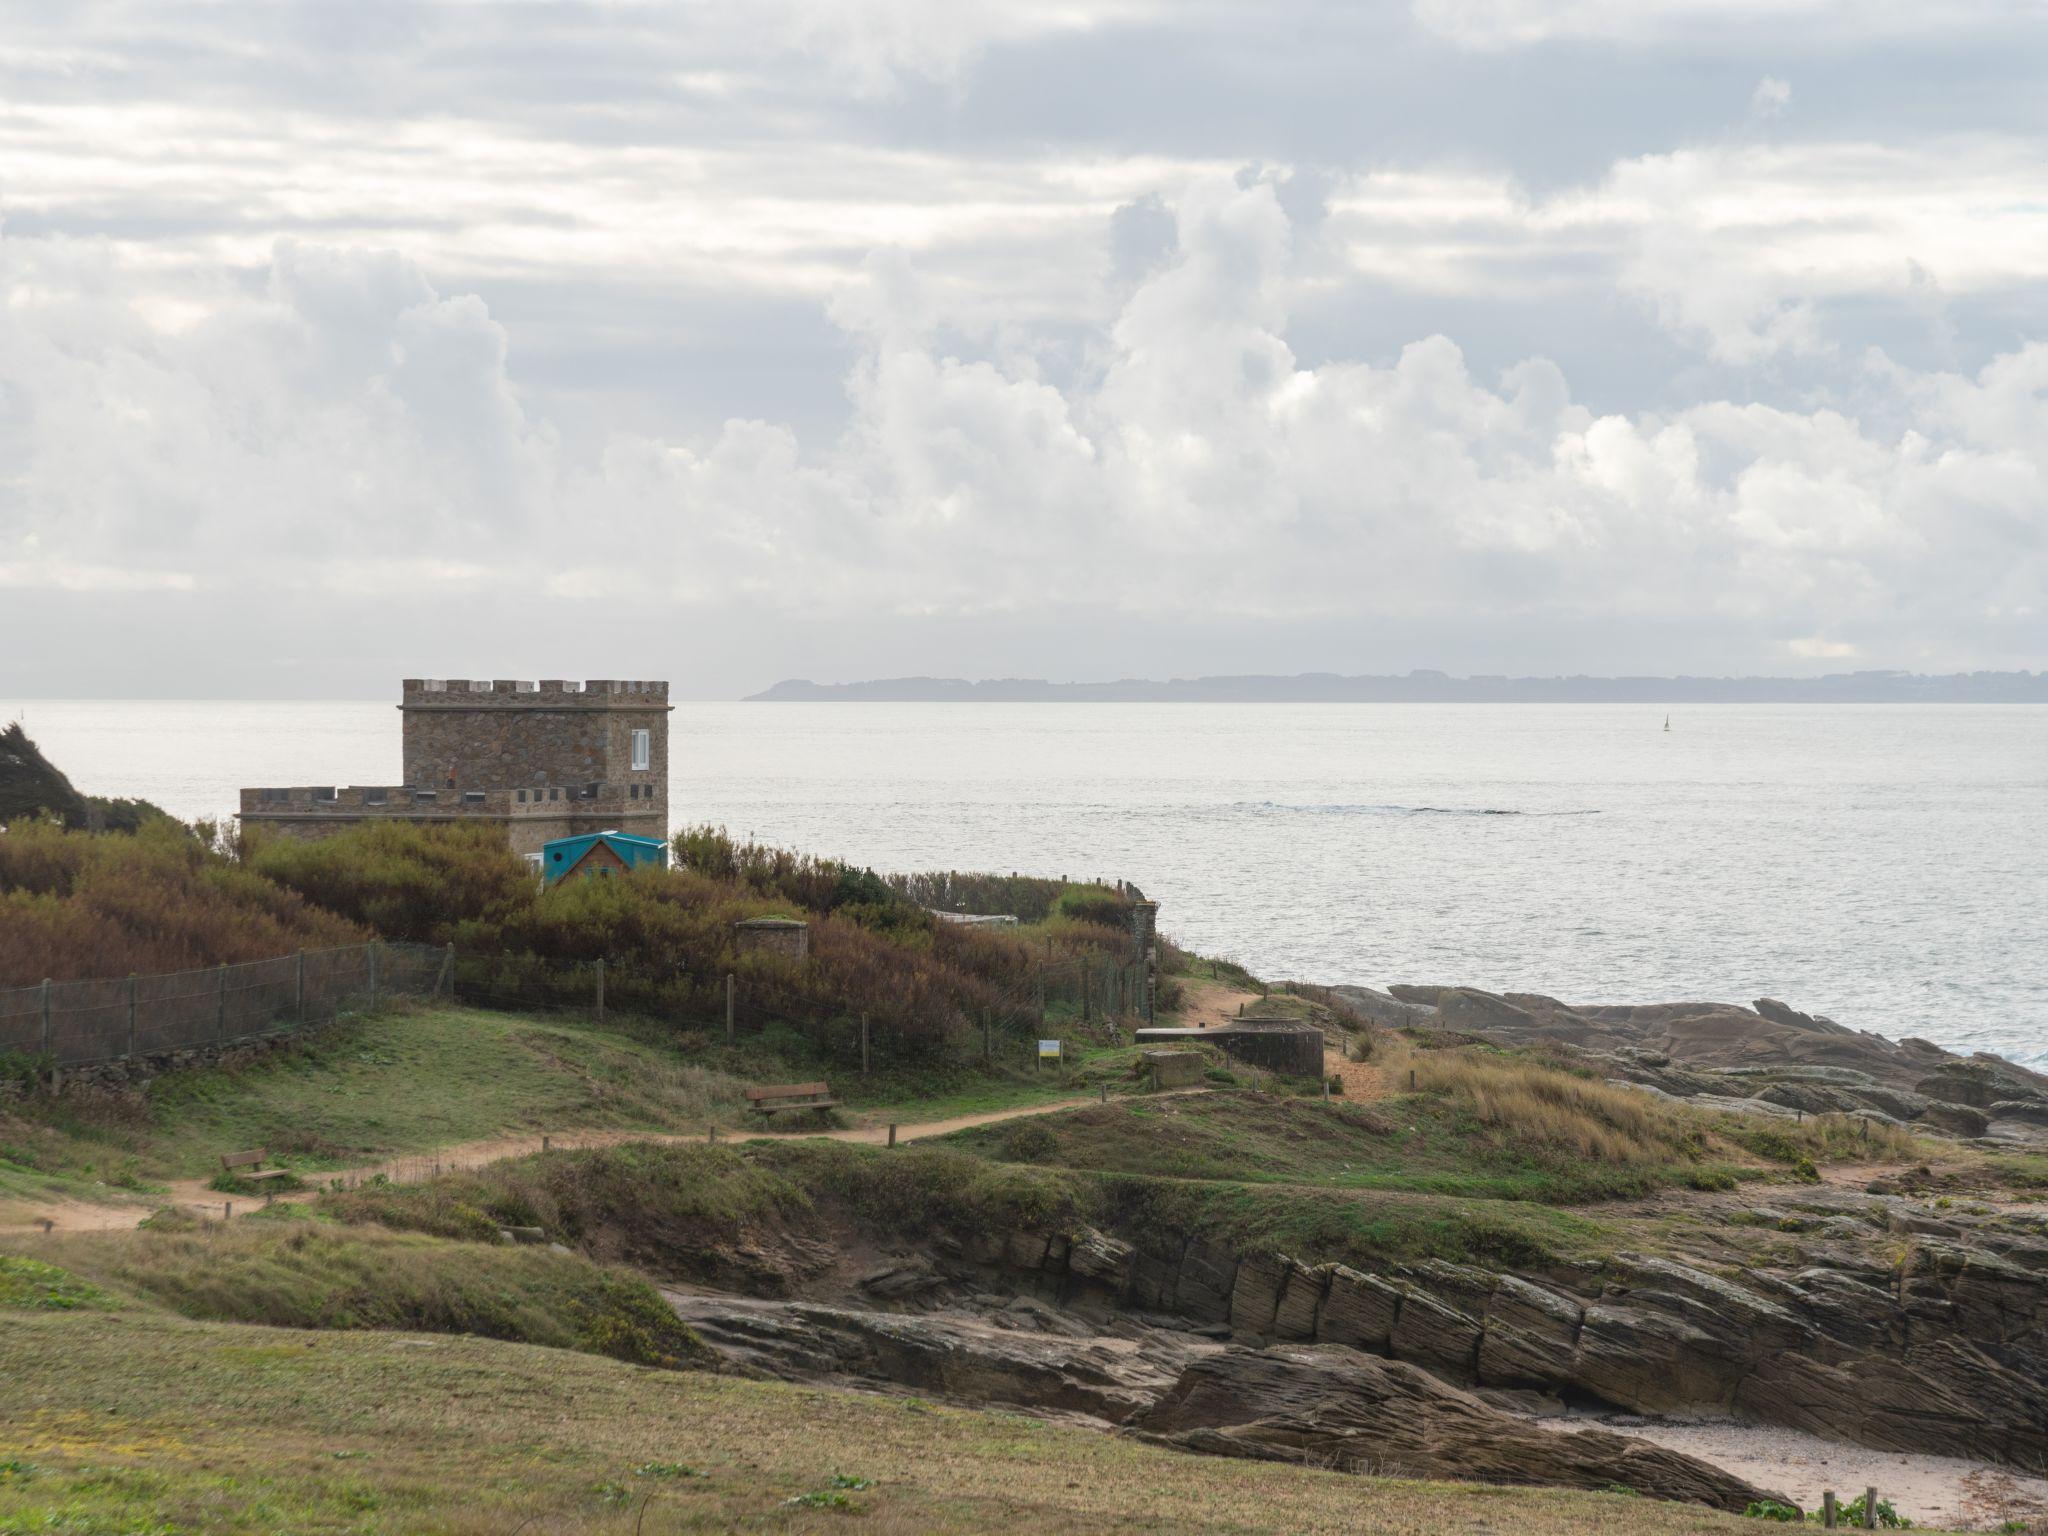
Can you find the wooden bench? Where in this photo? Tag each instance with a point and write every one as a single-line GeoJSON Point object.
{"type": "Point", "coordinates": [249, 1165]}
{"type": "Point", "coordinates": [792, 1096]}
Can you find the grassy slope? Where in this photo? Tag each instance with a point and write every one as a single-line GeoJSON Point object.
{"type": "Point", "coordinates": [131, 1422]}
{"type": "Point", "coordinates": [416, 1080]}
{"type": "Point", "coordinates": [1426, 1143]}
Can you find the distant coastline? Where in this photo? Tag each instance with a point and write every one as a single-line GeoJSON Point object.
{"type": "Point", "coordinates": [1427, 687]}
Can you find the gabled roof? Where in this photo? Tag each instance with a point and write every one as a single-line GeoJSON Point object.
{"type": "Point", "coordinates": [565, 853]}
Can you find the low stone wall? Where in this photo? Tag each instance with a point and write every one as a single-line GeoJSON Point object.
{"type": "Point", "coordinates": [1174, 1069]}
{"type": "Point", "coordinates": [1289, 1049]}
{"type": "Point", "coordinates": [138, 1071]}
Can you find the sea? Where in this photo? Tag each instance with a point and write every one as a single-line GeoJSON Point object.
{"type": "Point", "coordinates": [1884, 865]}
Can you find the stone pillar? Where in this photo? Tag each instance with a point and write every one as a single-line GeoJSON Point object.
{"type": "Point", "coordinates": [786, 936]}
{"type": "Point", "coordinates": [1145, 952]}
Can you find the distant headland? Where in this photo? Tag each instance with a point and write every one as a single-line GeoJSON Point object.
{"type": "Point", "coordinates": [1428, 687]}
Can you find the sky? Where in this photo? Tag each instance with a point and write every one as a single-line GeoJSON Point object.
{"type": "Point", "coordinates": [734, 340]}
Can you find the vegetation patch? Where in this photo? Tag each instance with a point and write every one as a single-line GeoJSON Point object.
{"type": "Point", "coordinates": [159, 1424]}
{"type": "Point", "coordinates": [35, 1286]}
{"type": "Point", "coordinates": [298, 1274]}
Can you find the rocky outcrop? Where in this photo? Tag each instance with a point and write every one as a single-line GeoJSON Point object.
{"type": "Point", "coordinates": [1767, 1059]}
{"type": "Point", "coordinates": [1330, 1406]}
{"type": "Point", "coordinates": [1956, 1329]}
{"type": "Point", "coordinates": [1013, 1350]}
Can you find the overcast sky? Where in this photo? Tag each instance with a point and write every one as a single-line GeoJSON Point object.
{"type": "Point", "coordinates": [842, 338]}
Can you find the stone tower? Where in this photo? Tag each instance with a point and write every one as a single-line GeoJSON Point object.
{"type": "Point", "coordinates": [544, 760]}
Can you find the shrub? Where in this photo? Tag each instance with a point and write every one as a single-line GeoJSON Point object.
{"type": "Point", "coordinates": [75, 905]}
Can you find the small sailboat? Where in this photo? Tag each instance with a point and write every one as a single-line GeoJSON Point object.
{"type": "Point", "coordinates": [1667, 722]}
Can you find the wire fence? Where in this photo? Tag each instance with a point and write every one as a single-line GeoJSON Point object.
{"type": "Point", "coordinates": [1081, 998]}
{"type": "Point", "coordinates": [88, 1023]}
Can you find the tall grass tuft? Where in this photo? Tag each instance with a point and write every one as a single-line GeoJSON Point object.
{"type": "Point", "coordinates": [1541, 1107]}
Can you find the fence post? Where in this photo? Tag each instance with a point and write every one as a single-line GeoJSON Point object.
{"type": "Point", "coordinates": [1869, 1495]}
{"type": "Point", "coordinates": [48, 1037]}
{"type": "Point", "coordinates": [373, 973]}
{"type": "Point", "coordinates": [1827, 1510]}
{"type": "Point", "coordinates": [863, 1043]}
{"type": "Point", "coordinates": [299, 993]}
{"type": "Point", "coordinates": [600, 989]}
{"type": "Point", "coordinates": [220, 1004]}
{"type": "Point", "coordinates": [131, 1013]}
{"type": "Point", "coordinates": [728, 1009]}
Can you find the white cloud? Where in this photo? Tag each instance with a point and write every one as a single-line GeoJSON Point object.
{"type": "Point", "coordinates": [1770, 98]}
{"type": "Point", "coordinates": [344, 424]}
{"type": "Point", "coordinates": [1497, 24]}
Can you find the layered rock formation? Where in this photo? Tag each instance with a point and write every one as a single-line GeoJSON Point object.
{"type": "Point", "coordinates": [1767, 1059]}
{"type": "Point", "coordinates": [1329, 1406]}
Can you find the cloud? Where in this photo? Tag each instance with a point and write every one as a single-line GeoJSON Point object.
{"type": "Point", "coordinates": [1500, 24]}
{"type": "Point", "coordinates": [340, 426]}
{"type": "Point", "coordinates": [1770, 98]}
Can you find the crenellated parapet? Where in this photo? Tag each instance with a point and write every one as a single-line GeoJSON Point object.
{"type": "Point", "coordinates": [548, 693]}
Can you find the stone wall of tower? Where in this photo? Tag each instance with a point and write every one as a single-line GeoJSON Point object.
{"type": "Point", "coordinates": [541, 760]}
{"type": "Point", "coordinates": [475, 734]}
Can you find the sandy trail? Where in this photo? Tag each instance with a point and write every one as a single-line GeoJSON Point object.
{"type": "Point", "coordinates": [1945, 1492]}
{"type": "Point", "coordinates": [193, 1194]}
{"type": "Point", "coordinates": [1207, 1004]}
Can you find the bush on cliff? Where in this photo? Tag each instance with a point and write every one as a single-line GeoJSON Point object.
{"type": "Point", "coordinates": [667, 935]}
{"type": "Point", "coordinates": [78, 904]}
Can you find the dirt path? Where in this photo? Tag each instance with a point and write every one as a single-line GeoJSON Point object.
{"type": "Point", "coordinates": [1363, 1082]}
{"type": "Point", "coordinates": [193, 1194]}
{"type": "Point", "coordinates": [1210, 1003]}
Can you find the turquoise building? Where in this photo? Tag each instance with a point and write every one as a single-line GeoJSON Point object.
{"type": "Point", "coordinates": [598, 853]}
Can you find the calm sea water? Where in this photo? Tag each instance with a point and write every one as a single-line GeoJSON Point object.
{"type": "Point", "coordinates": [1884, 865]}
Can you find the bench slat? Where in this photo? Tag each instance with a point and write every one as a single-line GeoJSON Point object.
{"type": "Point", "coordinates": [788, 1090]}
{"type": "Point", "coordinates": [242, 1159]}
{"type": "Point", "coordinates": [769, 1109]}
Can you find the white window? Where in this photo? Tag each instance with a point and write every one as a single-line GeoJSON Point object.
{"type": "Point", "coordinates": [643, 747]}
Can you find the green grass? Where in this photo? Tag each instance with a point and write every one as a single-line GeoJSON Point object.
{"type": "Point", "coordinates": [295, 1273]}
{"type": "Point", "coordinates": [31, 1284]}
{"type": "Point", "coordinates": [136, 1422]}
{"type": "Point", "coordinates": [726, 1214]}
{"type": "Point", "coordinates": [407, 1082]}
{"type": "Point", "coordinates": [1423, 1143]}
{"type": "Point", "coordinates": [399, 1082]}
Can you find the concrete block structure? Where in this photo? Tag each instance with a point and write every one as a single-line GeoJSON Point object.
{"type": "Point", "coordinates": [789, 937]}
{"type": "Point", "coordinates": [542, 761]}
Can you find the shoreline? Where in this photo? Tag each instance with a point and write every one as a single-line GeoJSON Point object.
{"type": "Point", "coordinates": [1945, 1492]}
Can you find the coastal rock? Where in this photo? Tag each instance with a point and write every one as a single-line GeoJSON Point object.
{"type": "Point", "coordinates": [1957, 1119]}
{"type": "Point", "coordinates": [2030, 1111]}
{"type": "Point", "coordinates": [1359, 1310]}
{"type": "Point", "coordinates": [1301, 1301]}
{"type": "Point", "coordinates": [1325, 1405]}
{"type": "Point", "coordinates": [1102, 1259]}
{"type": "Point", "coordinates": [1770, 1059]}
{"type": "Point", "coordinates": [1028, 1359]}
{"type": "Point", "coordinates": [1385, 1010]}
{"type": "Point", "coordinates": [1255, 1295]}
